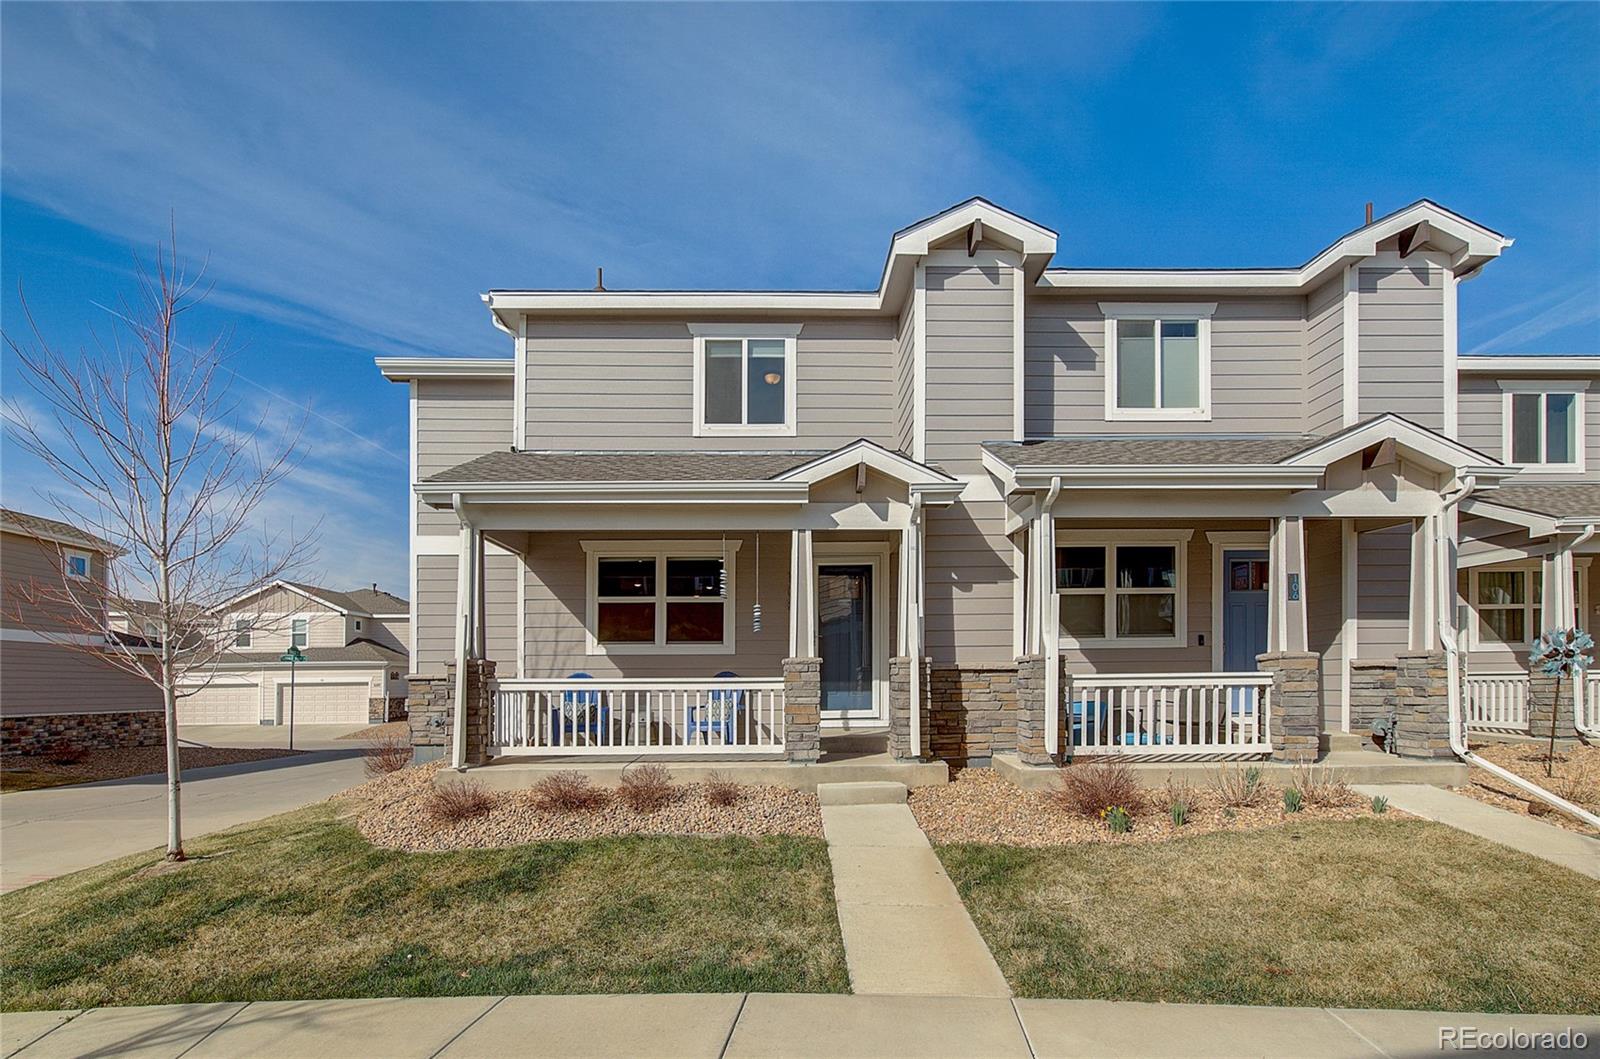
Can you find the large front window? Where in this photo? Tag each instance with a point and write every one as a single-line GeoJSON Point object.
{"type": "Point", "coordinates": [671, 596]}
{"type": "Point", "coordinates": [1510, 604]}
{"type": "Point", "coordinates": [1545, 429]}
{"type": "Point", "coordinates": [1158, 361]}
{"type": "Point", "coordinates": [1130, 593]}
{"type": "Point", "coordinates": [744, 379]}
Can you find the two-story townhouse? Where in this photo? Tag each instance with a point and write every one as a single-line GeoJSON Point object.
{"type": "Point", "coordinates": [1152, 512]}
{"type": "Point", "coordinates": [353, 658]}
{"type": "Point", "coordinates": [56, 688]}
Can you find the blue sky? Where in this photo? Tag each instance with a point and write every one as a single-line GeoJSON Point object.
{"type": "Point", "coordinates": [357, 174]}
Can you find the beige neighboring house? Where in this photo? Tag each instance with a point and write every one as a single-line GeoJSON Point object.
{"type": "Point", "coordinates": [1002, 507]}
{"type": "Point", "coordinates": [355, 644]}
{"type": "Point", "coordinates": [53, 688]}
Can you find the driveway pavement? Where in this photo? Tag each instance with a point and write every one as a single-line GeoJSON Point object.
{"type": "Point", "coordinates": [275, 736]}
{"type": "Point", "coordinates": [729, 1025]}
{"type": "Point", "coordinates": [54, 831]}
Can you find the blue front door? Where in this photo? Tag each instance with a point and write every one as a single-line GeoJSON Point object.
{"type": "Point", "coordinates": [1244, 609]}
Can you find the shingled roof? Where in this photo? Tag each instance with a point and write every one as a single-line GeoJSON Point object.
{"type": "Point", "coordinates": [361, 650]}
{"type": "Point", "coordinates": [506, 467]}
{"type": "Point", "coordinates": [1559, 501]}
{"type": "Point", "coordinates": [361, 600]}
{"type": "Point", "coordinates": [1151, 450]}
{"type": "Point", "coordinates": [27, 525]}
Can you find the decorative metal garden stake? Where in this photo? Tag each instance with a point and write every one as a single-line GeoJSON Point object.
{"type": "Point", "coordinates": [1560, 653]}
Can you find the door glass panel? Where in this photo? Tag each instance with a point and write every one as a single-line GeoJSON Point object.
{"type": "Point", "coordinates": [844, 636]}
{"type": "Point", "coordinates": [1136, 364]}
{"type": "Point", "coordinates": [1560, 429]}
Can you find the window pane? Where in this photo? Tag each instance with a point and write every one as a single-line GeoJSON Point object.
{"type": "Point", "coordinates": [1080, 568]}
{"type": "Point", "coordinates": [1500, 587]}
{"type": "Point", "coordinates": [1505, 624]}
{"type": "Point", "coordinates": [1136, 363]}
{"type": "Point", "coordinates": [724, 364]}
{"type": "Point", "coordinates": [1083, 617]}
{"type": "Point", "coordinates": [694, 622]}
{"type": "Point", "coordinates": [627, 577]}
{"type": "Point", "coordinates": [626, 623]}
{"type": "Point", "coordinates": [1560, 428]}
{"type": "Point", "coordinates": [767, 383]}
{"type": "Point", "coordinates": [1180, 364]}
{"type": "Point", "coordinates": [297, 633]}
{"type": "Point", "coordinates": [1146, 615]}
{"type": "Point", "coordinates": [1525, 428]}
{"type": "Point", "coordinates": [694, 577]}
{"type": "Point", "coordinates": [1147, 567]}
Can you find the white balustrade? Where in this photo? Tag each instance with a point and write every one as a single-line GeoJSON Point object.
{"type": "Point", "coordinates": [637, 717]}
{"type": "Point", "coordinates": [1170, 714]}
{"type": "Point", "coordinates": [1497, 701]}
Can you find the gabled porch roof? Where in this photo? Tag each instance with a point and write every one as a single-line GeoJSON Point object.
{"type": "Point", "coordinates": [1541, 509]}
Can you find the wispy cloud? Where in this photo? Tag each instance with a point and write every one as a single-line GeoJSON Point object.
{"type": "Point", "coordinates": [1573, 305]}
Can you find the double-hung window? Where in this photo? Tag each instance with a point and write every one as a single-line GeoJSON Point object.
{"type": "Point", "coordinates": [243, 633]}
{"type": "Point", "coordinates": [1510, 604]}
{"type": "Point", "coordinates": [1544, 426]}
{"type": "Point", "coordinates": [298, 632]}
{"type": "Point", "coordinates": [744, 379]}
{"type": "Point", "coordinates": [1121, 593]}
{"type": "Point", "coordinates": [649, 597]}
{"type": "Point", "coordinates": [77, 564]}
{"type": "Point", "coordinates": [1158, 360]}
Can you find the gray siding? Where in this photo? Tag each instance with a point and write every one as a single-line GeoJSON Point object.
{"type": "Point", "coordinates": [905, 386]}
{"type": "Point", "coordinates": [627, 384]}
{"type": "Point", "coordinates": [1383, 587]}
{"type": "Point", "coordinates": [1402, 343]}
{"type": "Point", "coordinates": [1257, 362]}
{"type": "Point", "coordinates": [458, 420]}
{"type": "Point", "coordinates": [1325, 358]}
{"type": "Point", "coordinates": [33, 580]}
{"type": "Point", "coordinates": [1481, 411]}
{"type": "Point", "coordinates": [41, 678]}
{"type": "Point", "coordinates": [969, 363]}
{"type": "Point", "coordinates": [436, 608]}
{"type": "Point", "coordinates": [967, 565]}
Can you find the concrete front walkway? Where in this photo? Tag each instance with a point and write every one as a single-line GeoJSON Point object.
{"type": "Point", "coordinates": [1569, 849]}
{"type": "Point", "coordinates": [57, 830]}
{"type": "Point", "coordinates": [747, 1026]}
{"type": "Point", "coordinates": [905, 929]}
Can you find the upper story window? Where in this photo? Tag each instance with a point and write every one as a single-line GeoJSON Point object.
{"type": "Point", "coordinates": [1158, 360]}
{"type": "Point", "coordinates": [744, 379]}
{"type": "Point", "coordinates": [650, 597]}
{"type": "Point", "coordinates": [243, 634]}
{"type": "Point", "coordinates": [77, 564]}
{"type": "Point", "coordinates": [1544, 425]}
{"type": "Point", "coordinates": [1122, 593]}
{"type": "Point", "coordinates": [298, 632]}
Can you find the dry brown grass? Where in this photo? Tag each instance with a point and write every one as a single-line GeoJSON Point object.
{"type": "Point", "coordinates": [646, 788]}
{"type": "Point", "coordinates": [1319, 786]}
{"type": "Point", "coordinates": [386, 751]}
{"type": "Point", "coordinates": [567, 792]}
{"type": "Point", "coordinates": [1089, 788]}
{"type": "Point", "coordinates": [1242, 787]}
{"type": "Point", "coordinates": [722, 791]}
{"type": "Point", "coordinates": [28, 772]}
{"type": "Point", "coordinates": [451, 803]}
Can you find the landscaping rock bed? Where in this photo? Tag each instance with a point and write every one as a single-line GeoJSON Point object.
{"type": "Point", "coordinates": [1577, 779]}
{"type": "Point", "coordinates": [393, 811]}
{"type": "Point", "coordinates": [981, 806]}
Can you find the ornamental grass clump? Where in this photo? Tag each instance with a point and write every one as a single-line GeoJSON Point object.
{"type": "Point", "coordinates": [385, 753]}
{"type": "Point", "coordinates": [1380, 804]}
{"type": "Point", "coordinates": [1088, 789]}
{"type": "Point", "coordinates": [722, 791]}
{"type": "Point", "coordinates": [1180, 802]}
{"type": "Point", "coordinates": [452, 803]}
{"type": "Point", "coordinates": [1239, 788]}
{"type": "Point", "coordinates": [567, 792]}
{"type": "Point", "coordinates": [646, 788]}
{"type": "Point", "coordinates": [1317, 786]}
{"type": "Point", "coordinates": [1293, 800]}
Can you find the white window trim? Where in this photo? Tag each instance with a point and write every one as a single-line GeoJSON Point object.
{"type": "Point", "coordinates": [297, 618]}
{"type": "Point", "coordinates": [1201, 312]}
{"type": "Point", "coordinates": [69, 554]}
{"type": "Point", "coordinates": [790, 334]}
{"type": "Point", "coordinates": [660, 551]}
{"type": "Point", "coordinates": [1511, 387]}
{"type": "Point", "coordinates": [1534, 572]}
{"type": "Point", "coordinates": [1110, 539]}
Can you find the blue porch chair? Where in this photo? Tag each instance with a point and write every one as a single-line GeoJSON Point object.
{"type": "Point", "coordinates": [718, 715]}
{"type": "Point", "coordinates": [580, 713]}
{"type": "Point", "coordinates": [1080, 711]}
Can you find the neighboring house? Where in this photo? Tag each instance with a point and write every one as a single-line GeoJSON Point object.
{"type": "Point", "coordinates": [55, 688]}
{"type": "Point", "coordinates": [354, 643]}
{"type": "Point", "coordinates": [1166, 512]}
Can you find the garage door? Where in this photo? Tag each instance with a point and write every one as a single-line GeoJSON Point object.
{"type": "Point", "coordinates": [221, 704]}
{"type": "Point", "coordinates": [324, 703]}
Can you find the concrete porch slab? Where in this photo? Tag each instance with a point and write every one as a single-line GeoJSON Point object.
{"type": "Point", "coordinates": [1349, 766]}
{"type": "Point", "coordinates": [880, 792]}
{"type": "Point", "coordinates": [513, 773]}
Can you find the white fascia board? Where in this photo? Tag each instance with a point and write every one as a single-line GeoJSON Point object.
{"type": "Point", "coordinates": [1240, 476]}
{"type": "Point", "coordinates": [441, 493]}
{"type": "Point", "coordinates": [287, 587]}
{"type": "Point", "coordinates": [1479, 364]}
{"type": "Point", "coordinates": [683, 301]}
{"type": "Point", "coordinates": [404, 369]}
{"type": "Point", "coordinates": [938, 494]}
{"type": "Point", "coordinates": [1435, 447]}
{"type": "Point", "coordinates": [1002, 472]}
{"type": "Point", "coordinates": [1535, 523]}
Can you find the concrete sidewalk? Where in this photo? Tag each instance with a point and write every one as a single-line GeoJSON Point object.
{"type": "Point", "coordinates": [747, 1026]}
{"type": "Point", "coordinates": [1569, 849]}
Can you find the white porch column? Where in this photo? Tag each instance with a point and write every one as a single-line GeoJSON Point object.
{"type": "Point", "coordinates": [1349, 595]}
{"type": "Point", "coordinates": [915, 586]}
{"type": "Point", "coordinates": [467, 629]}
{"type": "Point", "coordinates": [1048, 623]}
{"type": "Point", "coordinates": [1286, 574]}
{"type": "Point", "coordinates": [802, 597]}
{"type": "Point", "coordinates": [1423, 625]}
{"type": "Point", "coordinates": [1556, 591]}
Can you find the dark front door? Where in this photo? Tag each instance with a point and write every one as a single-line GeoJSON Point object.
{"type": "Point", "coordinates": [1244, 609]}
{"type": "Point", "coordinates": [844, 636]}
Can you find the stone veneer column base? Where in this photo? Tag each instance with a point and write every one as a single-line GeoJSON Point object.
{"type": "Point", "coordinates": [802, 709]}
{"type": "Point", "coordinates": [1546, 696]}
{"type": "Point", "coordinates": [430, 708]}
{"type": "Point", "coordinates": [1422, 705]}
{"type": "Point", "coordinates": [1296, 704]}
{"type": "Point", "coordinates": [1030, 711]}
{"type": "Point", "coordinates": [972, 712]}
{"type": "Point", "coordinates": [1372, 694]}
{"type": "Point", "coordinates": [900, 747]}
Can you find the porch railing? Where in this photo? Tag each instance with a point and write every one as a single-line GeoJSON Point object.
{"type": "Point", "coordinates": [633, 716]}
{"type": "Point", "coordinates": [1497, 702]}
{"type": "Point", "coordinates": [1588, 704]}
{"type": "Point", "coordinates": [1170, 714]}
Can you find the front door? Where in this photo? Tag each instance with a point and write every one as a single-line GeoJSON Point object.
{"type": "Point", "coordinates": [846, 639]}
{"type": "Point", "coordinates": [1244, 609]}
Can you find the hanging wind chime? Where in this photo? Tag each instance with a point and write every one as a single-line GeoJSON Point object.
{"type": "Point", "coordinates": [755, 610]}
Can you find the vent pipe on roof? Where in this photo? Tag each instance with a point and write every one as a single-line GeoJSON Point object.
{"type": "Point", "coordinates": [1369, 213]}
{"type": "Point", "coordinates": [599, 279]}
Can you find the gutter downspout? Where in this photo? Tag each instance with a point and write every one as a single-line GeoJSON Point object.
{"type": "Point", "coordinates": [1050, 620]}
{"type": "Point", "coordinates": [1448, 637]}
{"type": "Point", "coordinates": [917, 580]}
{"type": "Point", "coordinates": [1588, 731]}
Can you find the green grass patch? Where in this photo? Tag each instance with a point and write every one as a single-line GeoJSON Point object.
{"type": "Point", "coordinates": [301, 906]}
{"type": "Point", "coordinates": [1367, 913]}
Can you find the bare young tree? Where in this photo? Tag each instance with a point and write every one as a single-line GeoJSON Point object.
{"type": "Point", "coordinates": [153, 454]}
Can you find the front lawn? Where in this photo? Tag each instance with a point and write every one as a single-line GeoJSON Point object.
{"type": "Point", "coordinates": [302, 906]}
{"type": "Point", "coordinates": [1364, 913]}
